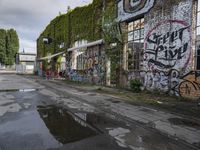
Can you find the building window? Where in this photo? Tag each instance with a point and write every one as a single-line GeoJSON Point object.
{"type": "Point", "coordinates": [198, 37]}
{"type": "Point", "coordinates": [135, 44]}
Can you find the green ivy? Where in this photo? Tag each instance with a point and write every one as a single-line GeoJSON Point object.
{"type": "Point", "coordinates": [80, 23]}
{"type": "Point", "coordinates": [92, 22]}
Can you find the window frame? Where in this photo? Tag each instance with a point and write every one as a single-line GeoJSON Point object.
{"type": "Point", "coordinates": [134, 53]}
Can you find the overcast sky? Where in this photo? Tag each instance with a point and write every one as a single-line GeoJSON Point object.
{"type": "Point", "coordinates": [30, 17]}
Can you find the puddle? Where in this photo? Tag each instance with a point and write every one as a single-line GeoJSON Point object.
{"type": "Point", "coordinates": [46, 127]}
{"type": "Point", "coordinates": [185, 122]}
{"type": "Point", "coordinates": [50, 127]}
{"type": "Point", "coordinates": [65, 126]}
{"type": "Point", "coordinates": [18, 90]}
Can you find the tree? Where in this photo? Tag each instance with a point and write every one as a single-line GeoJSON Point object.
{"type": "Point", "coordinates": [9, 46]}
{"type": "Point", "coordinates": [2, 46]}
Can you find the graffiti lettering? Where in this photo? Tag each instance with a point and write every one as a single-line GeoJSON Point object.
{"type": "Point", "coordinates": [165, 50]}
{"type": "Point", "coordinates": [168, 52]}
{"type": "Point", "coordinates": [162, 39]}
{"type": "Point", "coordinates": [164, 81]}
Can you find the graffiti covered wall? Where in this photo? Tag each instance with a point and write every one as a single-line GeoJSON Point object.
{"type": "Point", "coordinates": [94, 65]}
{"type": "Point", "coordinates": [168, 53]}
{"type": "Point", "coordinates": [90, 66]}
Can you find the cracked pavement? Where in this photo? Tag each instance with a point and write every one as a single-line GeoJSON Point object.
{"type": "Point", "coordinates": [120, 125]}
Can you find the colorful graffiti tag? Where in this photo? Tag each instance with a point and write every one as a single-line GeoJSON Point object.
{"type": "Point", "coordinates": [94, 66]}
{"type": "Point", "coordinates": [90, 67]}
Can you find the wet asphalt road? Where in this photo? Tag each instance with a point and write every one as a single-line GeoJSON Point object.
{"type": "Point", "coordinates": [36, 114]}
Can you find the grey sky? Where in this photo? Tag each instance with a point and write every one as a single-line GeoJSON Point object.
{"type": "Point", "coordinates": [30, 17]}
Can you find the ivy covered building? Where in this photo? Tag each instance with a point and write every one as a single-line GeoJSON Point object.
{"type": "Point", "coordinates": [161, 45]}
{"type": "Point", "coordinates": [82, 36]}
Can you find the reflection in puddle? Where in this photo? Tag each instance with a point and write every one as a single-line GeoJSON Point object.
{"type": "Point", "coordinates": [18, 90]}
{"type": "Point", "coordinates": [28, 90]}
{"type": "Point", "coordinates": [65, 126]}
{"type": "Point", "coordinates": [49, 127]}
{"type": "Point", "coordinates": [45, 128]}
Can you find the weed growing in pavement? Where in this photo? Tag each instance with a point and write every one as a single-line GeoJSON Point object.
{"type": "Point", "coordinates": [135, 85]}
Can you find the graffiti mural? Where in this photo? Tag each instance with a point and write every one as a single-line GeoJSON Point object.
{"type": "Point", "coordinates": [168, 53]}
{"type": "Point", "coordinates": [131, 8]}
{"type": "Point", "coordinates": [165, 81]}
{"type": "Point", "coordinates": [168, 50]}
{"type": "Point", "coordinates": [94, 66]}
{"type": "Point", "coordinates": [90, 66]}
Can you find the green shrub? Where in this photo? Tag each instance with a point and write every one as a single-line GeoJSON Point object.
{"type": "Point", "coordinates": [135, 85]}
